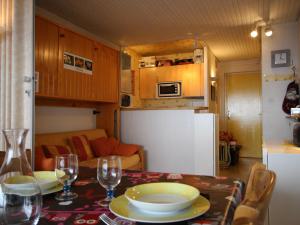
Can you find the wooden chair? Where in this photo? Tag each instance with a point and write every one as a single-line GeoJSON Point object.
{"type": "Point", "coordinates": [253, 208]}
{"type": "Point", "coordinates": [255, 167]}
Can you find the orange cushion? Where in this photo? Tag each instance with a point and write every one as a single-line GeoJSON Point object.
{"type": "Point", "coordinates": [41, 161]}
{"type": "Point", "coordinates": [82, 147]}
{"type": "Point", "coordinates": [126, 149]}
{"type": "Point", "coordinates": [103, 146]}
{"type": "Point", "coordinates": [50, 151]}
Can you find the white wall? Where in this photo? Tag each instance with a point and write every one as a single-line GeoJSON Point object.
{"type": "Point", "coordinates": [251, 65]}
{"type": "Point", "coordinates": [60, 119]}
{"type": "Point", "coordinates": [275, 126]}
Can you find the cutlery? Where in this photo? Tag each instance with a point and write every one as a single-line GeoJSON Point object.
{"type": "Point", "coordinates": [107, 220]}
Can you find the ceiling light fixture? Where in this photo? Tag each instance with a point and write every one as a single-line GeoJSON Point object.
{"type": "Point", "coordinates": [254, 33]}
{"type": "Point", "coordinates": [268, 31]}
{"type": "Point", "coordinates": [259, 24]}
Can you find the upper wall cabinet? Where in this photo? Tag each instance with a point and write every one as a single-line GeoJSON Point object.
{"type": "Point", "coordinates": [46, 58]}
{"type": "Point", "coordinates": [191, 76]}
{"type": "Point", "coordinates": [107, 73]}
{"type": "Point", "coordinates": [148, 81]}
{"type": "Point", "coordinates": [53, 45]}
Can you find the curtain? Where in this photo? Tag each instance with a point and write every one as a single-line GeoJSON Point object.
{"type": "Point", "coordinates": [16, 66]}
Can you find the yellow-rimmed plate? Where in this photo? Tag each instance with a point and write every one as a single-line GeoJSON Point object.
{"type": "Point", "coordinates": [121, 207]}
{"type": "Point", "coordinates": [52, 190]}
{"type": "Point", "coordinates": [162, 196]}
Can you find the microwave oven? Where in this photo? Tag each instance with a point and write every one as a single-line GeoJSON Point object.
{"type": "Point", "coordinates": [169, 89]}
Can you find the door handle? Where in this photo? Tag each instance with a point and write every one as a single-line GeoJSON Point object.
{"type": "Point", "coordinates": [228, 114]}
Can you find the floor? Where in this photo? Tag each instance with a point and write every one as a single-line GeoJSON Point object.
{"type": "Point", "coordinates": [241, 170]}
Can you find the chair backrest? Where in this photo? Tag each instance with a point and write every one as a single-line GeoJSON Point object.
{"type": "Point", "coordinates": [256, 166]}
{"type": "Point", "coordinates": [255, 205]}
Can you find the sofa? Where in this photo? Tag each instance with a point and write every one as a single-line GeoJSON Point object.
{"type": "Point", "coordinates": [43, 161]}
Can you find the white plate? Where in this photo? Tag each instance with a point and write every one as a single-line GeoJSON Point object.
{"type": "Point", "coordinates": [121, 207]}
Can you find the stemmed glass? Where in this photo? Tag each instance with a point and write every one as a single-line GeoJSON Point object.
{"type": "Point", "coordinates": [66, 171]}
{"type": "Point", "coordinates": [109, 174]}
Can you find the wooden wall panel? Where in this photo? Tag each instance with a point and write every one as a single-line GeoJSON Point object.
{"type": "Point", "coordinates": [109, 119]}
{"type": "Point", "coordinates": [74, 84]}
{"type": "Point", "coordinates": [46, 57]}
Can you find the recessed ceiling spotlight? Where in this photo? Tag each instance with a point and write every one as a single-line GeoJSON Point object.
{"type": "Point", "coordinates": [254, 33]}
{"type": "Point", "coordinates": [268, 31]}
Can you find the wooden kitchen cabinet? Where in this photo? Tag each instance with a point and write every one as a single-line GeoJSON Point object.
{"type": "Point", "coordinates": [46, 58]}
{"type": "Point", "coordinates": [106, 74]}
{"type": "Point", "coordinates": [148, 82]}
{"type": "Point", "coordinates": [191, 76]}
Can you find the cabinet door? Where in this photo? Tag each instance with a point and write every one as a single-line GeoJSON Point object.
{"type": "Point", "coordinates": [192, 80]}
{"type": "Point", "coordinates": [74, 84]}
{"type": "Point", "coordinates": [106, 74]}
{"type": "Point", "coordinates": [148, 82]}
{"type": "Point", "coordinates": [168, 74]}
{"type": "Point", "coordinates": [46, 57]}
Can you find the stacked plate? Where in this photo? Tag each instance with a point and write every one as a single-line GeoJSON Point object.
{"type": "Point", "coordinates": [48, 181]}
{"type": "Point", "coordinates": [160, 203]}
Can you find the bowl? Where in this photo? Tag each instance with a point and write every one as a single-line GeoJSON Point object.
{"type": "Point", "coordinates": [162, 196]}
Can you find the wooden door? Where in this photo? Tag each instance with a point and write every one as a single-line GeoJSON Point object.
{"type": "Point", "coordinates": [46, 57]}
{"type": "Point", "coordinates": [243, 100]}
{"type": "Point", "coordinates": [73, 84]}
{"type": "Point", "coordinates": [148, 82]}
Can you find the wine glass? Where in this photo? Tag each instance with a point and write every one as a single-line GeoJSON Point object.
{"type": "Point", "coordinates": [66, 171]}
{"type": "Point", "coordinates": [109, 174]}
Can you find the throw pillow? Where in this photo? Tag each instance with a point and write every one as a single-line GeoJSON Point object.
{"type": "Point", "coordinates": [50, 151]}
{"type": "Point", "coordinates": [126, 149]}
{"type": "Point", "coordinates": [82, 147]}
{"type": "Point", "coordinates": [103, 146]}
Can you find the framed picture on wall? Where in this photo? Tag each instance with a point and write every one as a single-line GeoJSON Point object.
{"type": "Point", "coordinates": [280, 58]}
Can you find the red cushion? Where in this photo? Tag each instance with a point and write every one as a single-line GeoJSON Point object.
{"type": "Point", "coordinates": [82, 147]}
{"type": "Point", "coordinates": [51, 151]}
{"type": "Point", "coordinates": [103, 146]}
{"type": "Point", "coordinates": [126, 149]}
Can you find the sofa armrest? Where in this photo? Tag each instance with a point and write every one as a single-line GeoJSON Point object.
{"type": "Point", "coordinates": [141, 154]}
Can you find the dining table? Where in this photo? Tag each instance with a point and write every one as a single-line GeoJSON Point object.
{"type": "Point", "coordinates": [223, 193]}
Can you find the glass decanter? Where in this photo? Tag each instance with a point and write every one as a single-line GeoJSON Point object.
{"type": "Point", "coordinates": [20, 194]}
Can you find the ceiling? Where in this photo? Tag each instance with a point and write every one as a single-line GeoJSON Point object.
{"type": "Point", "coordinates": [223, 25]}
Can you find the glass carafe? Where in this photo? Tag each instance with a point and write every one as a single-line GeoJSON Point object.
{"type": "Point", "coordinates": [20, 194]}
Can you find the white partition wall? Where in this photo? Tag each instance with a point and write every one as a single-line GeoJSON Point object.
{"type": "Point", "coordinates": [177, 141]}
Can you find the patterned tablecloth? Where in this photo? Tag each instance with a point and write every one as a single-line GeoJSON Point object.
{"type": "Point", "coordinates": [223, 193]}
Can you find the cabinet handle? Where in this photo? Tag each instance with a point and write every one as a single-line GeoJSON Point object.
{"type": "Point", "coordinates": [61, 35]}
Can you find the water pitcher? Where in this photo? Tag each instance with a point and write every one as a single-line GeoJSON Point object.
{"type": "Point", "coordinates": [20, 194]}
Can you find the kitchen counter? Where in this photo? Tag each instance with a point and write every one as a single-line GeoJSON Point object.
{"type": "Point", "coordinates": [284, 159]}
{"type": "Point", "coordinates": [204, 109]}
{"type": "Point", "coordinates": [284, 147]}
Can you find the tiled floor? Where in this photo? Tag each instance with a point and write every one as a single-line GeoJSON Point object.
{"type": "Point", "coordinates": [241, 170]}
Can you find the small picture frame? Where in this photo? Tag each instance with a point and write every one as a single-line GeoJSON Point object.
{"type": "Point", "coordinates": [281, 58]}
